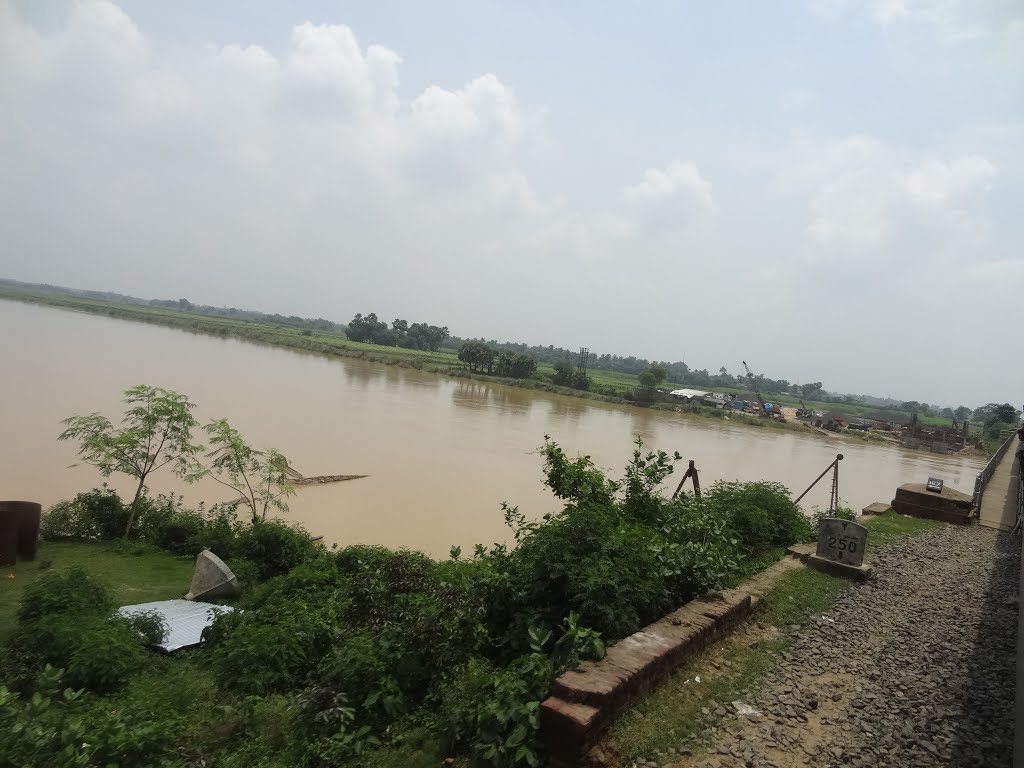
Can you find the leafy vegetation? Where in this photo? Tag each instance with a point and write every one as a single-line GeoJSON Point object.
{"type": "Point", "coordinates": [371, 330]}
{"type": "Point", "coordinates": [259, 477]}
{"type": "Point", "coordinates": [337, 655]}
{"type": "Point", "coordinates": [156, 431]}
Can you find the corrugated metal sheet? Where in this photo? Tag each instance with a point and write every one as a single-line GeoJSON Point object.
{"type": "Point", "coordinates": [689, 392]}
{"type": "Point", "coordinates": [185, 619]}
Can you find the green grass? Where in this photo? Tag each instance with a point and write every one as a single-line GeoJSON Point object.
{"type": "Point", "coordinates": [135, 574]}
{"type": "Point", "coordinates": [674, 713]}
{"type": "Point", "coordinates": [891, 527]}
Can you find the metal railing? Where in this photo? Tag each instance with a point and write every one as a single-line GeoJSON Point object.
{"type": "Point", "coordinates": [986, 474]}
{"type": "Point", "coordinates": [1020, 498]}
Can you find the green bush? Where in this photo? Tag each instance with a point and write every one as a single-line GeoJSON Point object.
{"type": "Point", "coordinates": [588, 560]}
{"type": "Point", "coordinates": [98, 514]}
{"type": "Point", "coordinates": [364, 667]}
{"type": "Point", "coordinates": [55, 728]}
{"type": "Point", "coordinates": [316, 579]}
{"type": "Point", "coordinates": [246, 571]}
{"type": "Point", "coordinates": [272, 648]}
{"type": "Point", "coordinates": [760, 514]}
{"type": "Point", "coordinates": [97, 653]}
{"type": "Point", "coordinates": [67, 592]}
{"type": "Point", "coordinates": [274, 546]}
{"type": "Point", "coordinates": [496, 713]}
{"type": "Point", "coordinates": [149, 625]}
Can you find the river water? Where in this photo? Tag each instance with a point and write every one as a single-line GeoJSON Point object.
{"type": "Point", "coordinates": [441, 453]}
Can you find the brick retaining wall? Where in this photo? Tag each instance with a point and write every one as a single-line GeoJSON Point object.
{"type": "Point", "coordinates": [586, 699]}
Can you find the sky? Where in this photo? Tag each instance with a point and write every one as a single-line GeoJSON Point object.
{"type": "Point", "coordinates": [828, 189]}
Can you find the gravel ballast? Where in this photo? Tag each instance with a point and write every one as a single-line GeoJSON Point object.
{"type": "Point", "coordinates": [914, 668]}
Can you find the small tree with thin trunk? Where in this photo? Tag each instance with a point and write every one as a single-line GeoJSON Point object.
{"type": "Point", "coordinates": [156, 432]}
{"type": "Point", "coordinates": [259, 477]}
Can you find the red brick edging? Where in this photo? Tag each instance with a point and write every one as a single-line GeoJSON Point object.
{"type": "Point", "coordinates": [586, 699]}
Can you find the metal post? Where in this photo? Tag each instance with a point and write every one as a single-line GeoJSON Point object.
{"type": "Point", "coordinates": [691, 471]}
{"type": "Point", "coordinates": [834, 500]}
{"type": "Point", "coordinates": [835, 481]}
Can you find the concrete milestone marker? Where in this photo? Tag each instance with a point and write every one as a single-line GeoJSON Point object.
{"type": "Point", "coordinates": [840, 549]}
{"type": "Point", "coordinates": [212, 578]}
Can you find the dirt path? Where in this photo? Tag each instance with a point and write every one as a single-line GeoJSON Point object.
{"type": "Point", "coordinates": [916, 668]}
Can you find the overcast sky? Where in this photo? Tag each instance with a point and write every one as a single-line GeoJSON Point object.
{"type": "Point", "coordinates": [829, 189]}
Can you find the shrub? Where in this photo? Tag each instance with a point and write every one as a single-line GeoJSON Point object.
{"type": "Point", "coordinates": [430, 611]}
{"type": "Point", "coordinates": [761, 514]}
{"type": "Point", "coordinates": [55, 728]}
{"type": "Point", "coordinates": [149, 626]}
{"type": "Point", "coordinates": [271, 648]}
{"type": "Point", "coordinates": [98, 514]}
{"type": "Point", "coordinates": [97, 653]}
{"type": "Point", "coordinates": [496, 714]}
{"type": "Point", "coordinates": [364, 668]}
{"type": "Point", "coordinates": [588, 560]}
{"type": "Point", "coordinates": [68, 592]}
{"type": "Point", "coordinates": [314, 580]}
{"type": "Point", "coordinates": [246, 571]}
{"type": "Point", "coordinates": [274, 546]}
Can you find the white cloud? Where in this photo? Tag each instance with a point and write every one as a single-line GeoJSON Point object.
{"type": "Point", "coordinates": [679, 178]}
{"type": "Point", "coordinates": [868, 198]}
{"type": "Point", "coordinates": [935, 182]}
{"type": "Point", "coordinates": [885, 12]}
{"type": "Point", "coordinates": [483, 106]}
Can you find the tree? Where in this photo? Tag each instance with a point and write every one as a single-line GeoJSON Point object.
{"type": "Point", "coordinates": [658, 372]}
{"type": "Point", "coordinates": [993, 412]}
{"type": "Point", "coordinates": [515, 366]}
{"type": "Point", "coordinates": [648, 381]}
{"type": "Point", "coordinates": [156, 432]}
{"type": "Point", "coordinates": [476, 355]}
{"type": "Point", "coordinates": [370, 330]}
{"type": "Point", "coordinates": [961, 413]}
{"type": "Point", "coordinates": [260, 477]}
{"type": "Point", "coordinates": [567, 376]}
{"type": "Point", "coordinates": [810, 390]}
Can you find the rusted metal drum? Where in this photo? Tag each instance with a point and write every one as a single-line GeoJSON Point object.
{"type": "Point", "coordinates": [26, 516]}
{"type": "Point", "coordinates": [8, 537]}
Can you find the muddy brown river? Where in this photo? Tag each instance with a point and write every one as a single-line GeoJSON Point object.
{"type": "Point", "coordinates": [441, 454]}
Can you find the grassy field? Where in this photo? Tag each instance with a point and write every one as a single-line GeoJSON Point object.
{"type": "Point", "coordinates": [678, 710]}
{"type": "Point", "coordinates": [136, 574]}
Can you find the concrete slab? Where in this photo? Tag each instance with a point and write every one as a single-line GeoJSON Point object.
{"type": "Point", "coordinates": [949, 506]}
{"type": "Point", "coordinates": [876, 508]}
{"type": "Point", "coordinates": [834, 567]}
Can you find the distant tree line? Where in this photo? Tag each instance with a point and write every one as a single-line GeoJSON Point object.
{"type": "Point", "coordinates": [292, 321]}
{"type": "Point", "coordinates": [372, 330]}
{"type": "Point", "coordinates": [481, 358]}
{"type": "Point", "coordinates": [511, 359]}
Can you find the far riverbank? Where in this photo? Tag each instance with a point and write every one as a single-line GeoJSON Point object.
{"type": "Point", "coordinates": [608, 387]}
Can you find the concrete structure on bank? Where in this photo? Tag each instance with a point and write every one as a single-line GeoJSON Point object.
{"type": "Point", "coordinates": [949, 506]}
{"type": "Point", "coordinates": [212, 578]}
